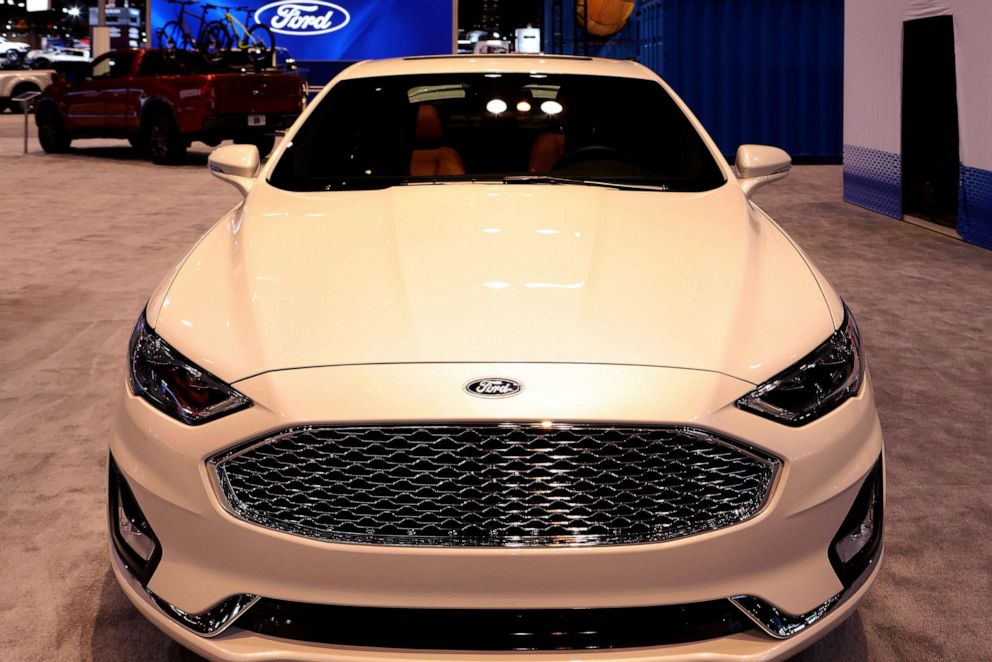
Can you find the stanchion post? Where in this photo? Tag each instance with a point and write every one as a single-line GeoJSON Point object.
{"type": "Point", "coordinates": [26, 101]}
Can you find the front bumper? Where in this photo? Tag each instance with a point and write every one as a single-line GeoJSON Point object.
{"type": "Point", "coordinates": [780, 556]}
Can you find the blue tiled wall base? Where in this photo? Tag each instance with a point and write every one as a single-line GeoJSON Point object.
{"type": "Point", "coordinates": [873, 180]}
{"type": "Point", "coordinates": [975, 206]}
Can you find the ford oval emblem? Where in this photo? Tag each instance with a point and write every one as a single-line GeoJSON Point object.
{"type": "Point", "coordinates": [493, 387]}
{"type": "Point", "coordinates": [302, 19]}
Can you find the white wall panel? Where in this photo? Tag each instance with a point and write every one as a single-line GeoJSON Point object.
{"type": "Point", "coordinates": [873, 104]}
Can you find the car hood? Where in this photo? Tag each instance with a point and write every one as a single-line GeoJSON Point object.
{"type": "Point", "coordinates": [494, 274]}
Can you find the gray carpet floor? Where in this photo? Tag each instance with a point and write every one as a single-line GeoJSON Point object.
{"type": "Point", "coordinates": [87, 235]}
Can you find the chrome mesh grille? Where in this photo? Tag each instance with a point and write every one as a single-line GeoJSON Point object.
{"type": "Point", "coordinates": [494, 485]}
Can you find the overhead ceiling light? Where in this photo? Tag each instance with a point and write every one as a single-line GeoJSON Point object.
{"type": "Point", "coordinates": [496, 106]}
{"type": "Point", "coordinates": [523, 106]}
{"type": "Point", "coordinates": [551, 107]}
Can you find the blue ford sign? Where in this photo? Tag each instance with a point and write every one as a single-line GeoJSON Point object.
{"type": "Point", "coordinates": [302, 18]}
{"type": "Point", "coordinates": [316, 30]}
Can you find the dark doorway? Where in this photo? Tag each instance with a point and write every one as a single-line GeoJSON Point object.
{"type": "Point", "coordinates": [930, 157]}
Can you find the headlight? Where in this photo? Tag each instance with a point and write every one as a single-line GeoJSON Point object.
{"type": "Point", "coordinates": [173, 384]}
{"type": "Point", "coordinates": [818, 384]}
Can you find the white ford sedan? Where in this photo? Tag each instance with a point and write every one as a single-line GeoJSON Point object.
{"type": "Point", "coordinates": [496, 358]}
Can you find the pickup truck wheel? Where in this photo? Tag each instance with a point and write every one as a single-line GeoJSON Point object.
{"type": "Point", "coordinates": [52, 135]}
{"type": "Point", "coordinates": [164, 142]}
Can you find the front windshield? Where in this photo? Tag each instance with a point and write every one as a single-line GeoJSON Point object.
{"type": "Point", "coordinates": [394, 130]}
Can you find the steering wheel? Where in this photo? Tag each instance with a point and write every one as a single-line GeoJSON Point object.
{"type": "Point", "coordinates": [590, 153]}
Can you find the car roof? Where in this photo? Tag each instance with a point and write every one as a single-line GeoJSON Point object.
{"type": "Point", "coordinates": [498, 63]}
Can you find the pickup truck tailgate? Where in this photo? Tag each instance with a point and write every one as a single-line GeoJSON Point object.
{"type": "Point", "coordinates": [258, 93]}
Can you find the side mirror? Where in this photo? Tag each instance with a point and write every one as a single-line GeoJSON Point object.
{"type": "Point", "coordinates": [758, 165]}
{"type": "Point", "coordinates": [235, 164]}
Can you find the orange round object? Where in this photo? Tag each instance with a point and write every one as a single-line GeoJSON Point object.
{"type": "Point", "coordinates": [603, 17]}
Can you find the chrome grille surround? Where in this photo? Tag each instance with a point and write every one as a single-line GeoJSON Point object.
{"type": "Point", "coordinates": [494, 485]}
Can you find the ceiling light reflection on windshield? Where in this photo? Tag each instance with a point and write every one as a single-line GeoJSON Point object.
{"type": "Point", "coordinates": [551, 107]}
{"type": "Point", "coordinates": [496, 285]}
{"type": "Point", "coordinates": [496, 106]}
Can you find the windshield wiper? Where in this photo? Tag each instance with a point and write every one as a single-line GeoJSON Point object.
{"type": "Point", "coordinates": [549, 179]}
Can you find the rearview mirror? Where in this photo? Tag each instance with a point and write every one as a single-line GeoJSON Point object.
{"type": "Point", "coordinates": [758, 165]}
{"type": "Point", "coordinates": [235, 164]}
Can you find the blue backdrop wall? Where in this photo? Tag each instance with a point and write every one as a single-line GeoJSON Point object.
{"type": "Point", "coordinates": [754, 71]}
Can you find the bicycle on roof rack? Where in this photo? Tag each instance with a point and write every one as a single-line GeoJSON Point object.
{"type": "Point", "coordinates": [257, 41]}
{"type": "Point", "coordinates": [208, 39]}
{"type": "Point", "coordinates": [215, 38]}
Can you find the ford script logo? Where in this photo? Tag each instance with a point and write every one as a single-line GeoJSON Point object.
{"type": "Point", "coordinates": [493, 387]}
{"type": "Point", "coordinates": [302, 19]}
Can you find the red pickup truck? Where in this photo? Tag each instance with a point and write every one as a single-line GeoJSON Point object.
{"type": "Point", "coordinates": [162, 101]}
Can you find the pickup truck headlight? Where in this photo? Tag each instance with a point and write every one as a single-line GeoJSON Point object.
{"type": "Point", "coordinates": [173, 384]}
{"type": "Point", "coordinates": [817, 384]}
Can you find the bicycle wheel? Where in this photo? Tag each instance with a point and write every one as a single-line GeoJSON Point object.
{"type": "Point", "coordinates": [172, 35]}
{"type": "Point", "coordinates": [259, 42]}
{"type": "Point", "coordinates": [216, 41]}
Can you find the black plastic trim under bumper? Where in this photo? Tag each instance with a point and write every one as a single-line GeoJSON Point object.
{"type": "Point", "coordinates": [495, 629]}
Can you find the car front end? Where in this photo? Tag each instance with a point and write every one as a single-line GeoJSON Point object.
{"type": "Point", "coordinates": [764, 585]}
{"type": "Point", "coordinates": [475, 420]}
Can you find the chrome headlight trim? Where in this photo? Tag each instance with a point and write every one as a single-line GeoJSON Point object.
{"type": "Point", "coordinates": [840, 357]}
{"type": "Point", "coordinates": [173, 384]}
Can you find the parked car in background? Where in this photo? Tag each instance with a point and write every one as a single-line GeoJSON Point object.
{"type": "Point", "coordinates": [161, 101]}
{"type": "Point", "coordinates": [491, 46]}
{"type": "Point", "coordinates": [12, 52]}
{"type": "Point", "coordinates": [17, 82]}
{"type": "Point", "coordinates": [44, 59]}
{"type": "Point", "coordinates": [498, 360]}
